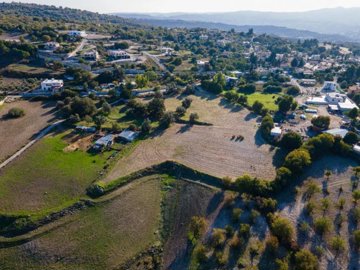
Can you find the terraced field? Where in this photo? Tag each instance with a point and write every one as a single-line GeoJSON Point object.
{"type": "Point", "coordinates": [101, 237]}
{"type": "Point", "coordinates": [211, 149]}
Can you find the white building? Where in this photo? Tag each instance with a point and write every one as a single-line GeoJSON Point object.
{"type": "Point", "coordinates": [118, 54]}
{"type": "Point", "coordinates": [52, 85]}
{"type": "Point", "coordinates": [76, 33]}
{"type": "Point", "coordinates": [204, 37]}
{"type": "Point", "coordinates": [276, 132]}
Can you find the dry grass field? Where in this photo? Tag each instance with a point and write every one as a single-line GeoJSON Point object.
{"type": "Point", "coordinates": [101, 237]}
{"type": "Point", "coordinates": [15, 133]}
{"type": "Point", "coordinates": [211, 149]}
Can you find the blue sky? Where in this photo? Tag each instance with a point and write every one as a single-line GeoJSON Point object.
{"type": "Point", "coordinates": [106, 6]}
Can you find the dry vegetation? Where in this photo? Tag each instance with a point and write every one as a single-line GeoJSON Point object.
{"type": "Point", "coordinates": [211, 149]}
{"type": "Point", "coordinates": [101, 237]}
{"type": "Point", "coordinates": [182, 203]}
{"type": "Point", "coordinates": [330, 198]}
{"type": "Point", "coordinates": [15, 133]}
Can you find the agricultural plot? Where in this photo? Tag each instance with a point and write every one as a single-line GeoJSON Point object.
{"type": "Point", "coordinates": [326, 195]}
{"type": "Point", "coordinates": [49, 176]}
{"type": "Point", "coordinates": [216, 149]}
{"type": "Point", "coordinates": [15, 133]}
{"type": "Point", "coordinates": [183, 202]}
{"type": "Point", "coordinates": [104, 236]}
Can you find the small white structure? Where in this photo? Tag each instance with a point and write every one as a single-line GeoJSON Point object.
{"type": "Point", "coordinates": [204, 37]}
{"type": "Point", "coordinates": [317, 101]}
{"type": "Point", "coordinates": [357, 149]}
{"type": "Point", "coordinates": [118, 54]}
{"type": "Point", "coordinates": [201, 63]}
{"type": "Point", "coordinates": [308, 82]}
{"type": "Point", "coordinates": [51, 46]}
{"type": "Point", "coordinates": [128, 135]}
{"type": "Point", "coordinates": [276, 132]}
{"type": "Point", "coordinates": [76, 33]}
{"type": "Point", "coordinates": [52, 85]}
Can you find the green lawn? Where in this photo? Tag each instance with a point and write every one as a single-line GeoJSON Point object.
{"type": "Point", "coordinates": [267, 99]}
{"type": "Point", "coordinates": [46, 178]}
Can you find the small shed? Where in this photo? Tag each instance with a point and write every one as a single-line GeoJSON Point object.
{"type": "Point", "coordinates": [276, 132]}
{"type": "Point", "coordinates": [128, 135]}
{"type": "Point", "coordinates": [104, 142]}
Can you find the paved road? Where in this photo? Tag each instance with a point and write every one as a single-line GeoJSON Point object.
{"type": "Point", "coordinates": [78, 48]}
{"type": "Point", "coordinates": [156, 60]}
{"type": "Point", "coordinates": [38, 137]}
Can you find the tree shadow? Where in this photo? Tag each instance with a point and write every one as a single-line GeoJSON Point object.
{"type": "Point", "coordinates": [184, 129]}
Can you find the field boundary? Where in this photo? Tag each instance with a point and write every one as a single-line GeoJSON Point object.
{"type": "Point", "coordinates": [53, 221]}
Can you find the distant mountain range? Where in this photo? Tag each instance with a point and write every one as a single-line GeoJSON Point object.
{"type": "Point", "coordinates": [336, 24]}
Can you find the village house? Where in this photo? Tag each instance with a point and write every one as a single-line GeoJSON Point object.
{"type": "Point", "coordinates": [204, 37]}
{"type": "Point", "coordinates": [76, 33]}
{"type": "Point", "coordinates": [329, 87]}
{"type": "Point", "coordinates": [91, 55]}
{"type": "Point", "coordinates": [118, 54]}
{"type": "Point", "coordinates": [104, 142]}
{"type": "Point", "coordinates": [51, 46]}
{"type": "Point", "coordinates": [52, 85]}
{"type": "Point", "coordinates": [128, 135]}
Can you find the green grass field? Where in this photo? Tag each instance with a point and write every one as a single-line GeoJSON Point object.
{"type": "Point", "coordinates": [267, 99]}
{"type": "Point", "coordinates": [101, 237]}
{"type": "Point", "coordinates": [46, 178]}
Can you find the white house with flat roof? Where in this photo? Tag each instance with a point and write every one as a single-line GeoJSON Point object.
{"type": "Point", "coordinates": [52, 85]}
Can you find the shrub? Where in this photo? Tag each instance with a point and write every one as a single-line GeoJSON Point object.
{"type": "Point", "coordinates": [356, 238]}
{"type": "Point", "coordinates": [186, 103]}
{"type": "Point", "coordinates": [297, 160]}
{"type": "Point", "coordinates": [197, 227]}
{"type": "Point", "coordinates": [293, 91]}
{"type": "Point", "coordinates": [322, 225]}
{"type": "Point", "coordinates": [247, 88]}
{"type": "Point", "coordinates": [351, 138]}
{"type": "Point", "coordinates": [167, 119]}
{"type": "Point", "coordinates": [267, 124]}
{"type": "Point", "coordinates": [252, 186]}
{"type": "Point", "coordinates": [236, 213]}
{"type": "Point", "coordinates": [257, 107]}
{"type": "Point", "coordinates": [282, 229]}
{"type": "Point", "coordinates": [291, 141]}
{"type": "Point", "coordinates": [305, 260]}
{"type": "Point", "coordinates": [321, 122]}
{"type": "Point", "coordinates": [218, 237]}
{"type": "Point", "coordinates": [337, 244]}
{"type": "Point", "coordinates": [272, 244]}
{"type": "Point", "coordinates": [180, 111]}
{"type": "Point", "coordinates": [15, 113]}
{"type": "Point", "coordinates": [272, 89]}
{"type": "Point", "coordinates": [244, 230]}
{"type": "Point", "coordinates": [193, 118]}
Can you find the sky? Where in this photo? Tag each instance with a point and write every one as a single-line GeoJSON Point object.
{"type": "Point", "coordinates": [148, 6]}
